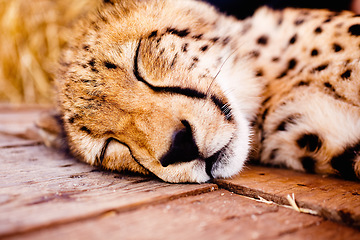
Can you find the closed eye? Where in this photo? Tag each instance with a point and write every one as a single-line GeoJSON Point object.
{"type": "Point", "coordinates": [100, 159]}
{"type": "Point", "coordinates": [224, 108]}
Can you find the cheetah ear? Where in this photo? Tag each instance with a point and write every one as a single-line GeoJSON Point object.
{"type": "Point", "coordinates": [51, 131]}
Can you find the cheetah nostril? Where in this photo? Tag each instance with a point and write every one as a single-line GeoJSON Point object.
{"type": "Point", "coordinates": [183, 147]}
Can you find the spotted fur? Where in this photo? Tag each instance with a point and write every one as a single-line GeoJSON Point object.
{"type": "Point", "coordinates": [178, 90]}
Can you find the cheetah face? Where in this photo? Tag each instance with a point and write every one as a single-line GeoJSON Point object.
{"type": "Point", "coordinates": [159, 103]}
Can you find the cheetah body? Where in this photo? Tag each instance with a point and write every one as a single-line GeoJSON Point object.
{"type": "Point", "coordinates": [178, 90]}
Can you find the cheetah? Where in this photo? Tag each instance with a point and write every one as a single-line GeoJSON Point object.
{"type": "Point", "coordinates": [181, 91]}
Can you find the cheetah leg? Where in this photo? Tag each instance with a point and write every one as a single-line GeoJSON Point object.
{"type": "Point", "coordinates": [313, 132]}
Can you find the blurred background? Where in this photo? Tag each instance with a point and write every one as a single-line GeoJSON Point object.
{"type": "Point", "coordinates": [243, 8]}
{"type": "Point", "coordinates": [32, 34]}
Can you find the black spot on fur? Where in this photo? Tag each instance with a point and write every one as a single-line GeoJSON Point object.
{"type": "Point", "coordinates": [94, 70]}
{"type": "Point", "coordinates": [332, 91]}
{"type": "Point", "coordinates": [273, 154]}
{"type": "Point", "coordinates": [289, 120]}
{"type": "Point", "coordinates": [299, 22]}
{"type": "Point", "coordinates": [329, 19]}
{"type": "Point", "coordinates": [158, 41]}
{"type": "Point", "coordinates": [204, 48]}
{"type": "Point", "coordinates": [302, 83]}
{"type": "Point", "coordinates": [308, 164]}
{"type": "Point", "coordinates": [281, 126]}
{"type": "Point", "coordinates": [72, 119]}
{"type": "Point", "coordinates": [311, 142]}
{"type": "Point", "coordinates": [293, 39]}
{"type": "Point", "coordinates": [262, 40]}
{"type": "Point", "coordinates": [283, 74]}
{"type": "Point", "coordinates": [109, 2]}
{"type": "Point", "coordinates": [346, 74]}
{"type": "Point", "coordinates": [110, 65]}
{"type": "Point", "coordinates": [263, 116]}
{"type": "Point", "coordinates": [354, 30]}
{"type": "Point", "coordinates": [198, 37]}
{"type": "Point", "coordinates": [180, 33]}
{"type": "Point", "coordinates": [318, 30]}
{"type": "Point", "coordinates": [292, 63]}
{"type": "Point", "coordinates": [275, 59]}
{"type": "Point", "coordinates": [259, 73]}
{"type": "Point", "coordinates": [153, 34]}
{"type": "Point", "coordinates": [103, 18]}
{"type": "Point", "coordinates": [253, 123]}
{"type": "Point", "coordinates": [226, 40]}
{"type": "Point", "coordinates": [331, 88]}
{"type": "Point", "coordinates": [320, 68]}
{"type": "Point", "coordinates": [85, 129]}
{"type": "Point", "coordinates": [92, 62]}
{"type": "Point", "coordinates": [184, 47]}
{"type": "Point", "coordinates": [254, 54]}
{"type": "Point", "coordinates": [344, 162]}
{"type": "Point", "coordinates": [193, 64]}
{"type": "Point", "coordinates": [265, 101]}
{"type": "Point", "coordinates": [214, 40]}
{"type": "Point", "coordinates": [86, 47]}
{"type": "Point", "coordinates": [314, 52]}
{"type": "Point", "coordinates": [88, 81]}
{"type": "Point", "coordinates": [174, 60]}
{"type": "Point", "coordinates": [337, 47]}
{"type": "Point", "coordinates": [95, 26]}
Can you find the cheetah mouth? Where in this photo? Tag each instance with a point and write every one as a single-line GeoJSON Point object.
{"type": "Point", "coordinates": [216, 160]}
{"type": "Point", "coordinates": [209, 163]}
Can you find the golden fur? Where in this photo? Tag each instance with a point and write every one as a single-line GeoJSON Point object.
{"type": "Point", "coordinates": [173, 88]}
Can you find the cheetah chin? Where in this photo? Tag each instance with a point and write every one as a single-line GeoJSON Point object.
{"type": "Point", "coordinates": [180, 91]}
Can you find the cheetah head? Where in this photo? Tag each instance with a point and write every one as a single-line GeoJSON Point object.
{"type": "Point", "coordinates": [153, 91]}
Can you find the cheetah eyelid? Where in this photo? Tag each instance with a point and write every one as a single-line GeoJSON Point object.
{"type": "Point", "coordinates": [179, 90]}
{"type": "Point", "coordinates": [100, 159]}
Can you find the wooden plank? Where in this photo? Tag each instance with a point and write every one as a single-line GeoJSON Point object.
{"type": "Point", "coordinates": [332, 198]}
{"type": "Point", "coordinates": [215, 215]}
{"type": "Point", "coordinates": [17, 124]}
{"type": "Point", "coordinates": [16, 120]}
{"type": "Point", "coordinates": [324, 230]}
{"type": "Point", "coordinates": [7, 141]}
{"type": "Point", "coordinates": [40, 188]}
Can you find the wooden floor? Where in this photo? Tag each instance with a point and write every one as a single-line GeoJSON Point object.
{"type": "Point", "coordinates": [47, 195]}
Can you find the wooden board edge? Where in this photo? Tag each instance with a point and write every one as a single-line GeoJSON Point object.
{"type": "Point", "coordinates": [130, 207]}
{"type": "Point", "coordinates": [339, 216]}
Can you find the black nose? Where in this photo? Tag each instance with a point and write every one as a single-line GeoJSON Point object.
{"type": "Point", "coordinates": [183, 147]}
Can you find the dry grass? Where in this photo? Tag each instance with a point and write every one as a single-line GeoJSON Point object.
{"type": "Point", "coordinates": [32, 33]}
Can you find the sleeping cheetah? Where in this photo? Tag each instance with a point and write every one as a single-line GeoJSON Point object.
{"type": "Point", "coordinates": [181, 91]}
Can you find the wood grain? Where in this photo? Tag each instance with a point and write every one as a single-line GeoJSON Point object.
{"type": "Point", "coordinates": [324, 230]}
{"type": "Point", "coordinates": [45, 194]}
{"type": "Point", "coordinates": [215, 215]}
{"type": "Point", "coordinates": [332, 198]}
{"type": "Point", "coordinates": [41, 188]}
{"type": "Point", "coordinates": [19, 121]}
{"type": "Point", "coordinates": [7, 141]}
